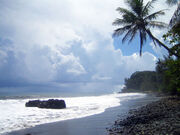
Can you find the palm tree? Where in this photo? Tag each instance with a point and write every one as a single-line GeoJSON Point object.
{"type": "Point", "coordinates": [138, 20]}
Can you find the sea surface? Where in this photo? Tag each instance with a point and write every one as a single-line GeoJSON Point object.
{"type": "Point", "coordinates": [15, 116]}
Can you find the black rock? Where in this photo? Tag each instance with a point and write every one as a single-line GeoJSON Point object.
{"type": "Point", "coordinates": [33, 103]}
{"type": "Point", "coordinates": [49, 104]}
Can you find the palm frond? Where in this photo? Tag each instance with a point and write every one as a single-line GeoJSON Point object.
{"type": "Point", "coordinates": [154, 15]}
{"type": "Point", "coordinates": [127, 35]}
{"type": "Point", "coordinates": [136, 6]}
{"type": "Point", "coordinates": [123, 11]}
{"type": "Point", "coordinates": [171, 2]}
{"type": "Point", "coordinates": [129, 18]}
{"type": "Point", "coordinates": [175, 20]}
{"type": "Point", "coordinates": [127, 15]}
{"type": "Point", "coordinates": [130, 34]}
{"type": "Point", "coordinates": [156, 24]}
{"type": "Point", "coordinates": [154, 1]}
{"type": "Point", "coordinates": [119, 21]}
{"type": "Point", "coordinates": [155, 41]}
{"type": "Point", "coordinates": [148, 7]}
{"type": "Point", "coordinates": [122, 30]}
{"type": "Point", "coordinates": [134, 33]}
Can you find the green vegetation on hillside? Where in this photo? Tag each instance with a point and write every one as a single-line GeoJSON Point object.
{"type": "Point", "coordinates": [141, 81]}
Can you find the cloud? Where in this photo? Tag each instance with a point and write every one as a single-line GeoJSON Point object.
{"type": "Point", "coordinates": [66, 44]}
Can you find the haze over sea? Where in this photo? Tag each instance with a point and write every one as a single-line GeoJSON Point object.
{"type": "Point", "coordinates": [15, 116]}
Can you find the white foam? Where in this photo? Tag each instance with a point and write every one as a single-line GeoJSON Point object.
{"type": "Point", "coordinates": [14, 115]}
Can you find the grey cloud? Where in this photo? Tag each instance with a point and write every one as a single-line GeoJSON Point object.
{"type": "Point", "coordinates": [47, 43]}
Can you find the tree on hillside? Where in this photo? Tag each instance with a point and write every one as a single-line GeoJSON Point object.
{"type": "Point", "coordinates": [138, 20]}
{"type": "Point", "coordinates": [141, 81]}
{"type": "Point", "coordinates": [168, 75]}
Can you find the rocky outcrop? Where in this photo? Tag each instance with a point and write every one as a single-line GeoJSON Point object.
{"type": "Point", "coordinates": [49, 104]}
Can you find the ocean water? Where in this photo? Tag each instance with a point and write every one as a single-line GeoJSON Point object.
{"type": "Point", "coordinates": [14, 115]}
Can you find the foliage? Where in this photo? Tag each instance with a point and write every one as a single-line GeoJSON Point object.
{"type": "Point", "coordinates": [168, 69]}
{"type": "Point", "coordinates": [166, 78]}
{"type": "Point", "coordinates": [173, 35]}
{"type": "Point", "coordinates": [173, 38]}
{"type": "Point", "coordinates": [169, 73]}
{"type": "Point", "coordinates": [173, 75]}
{"type": "Point", "coordinates": [141, 81]}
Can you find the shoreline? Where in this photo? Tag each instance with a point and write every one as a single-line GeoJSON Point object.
{"type": "Point", "coordinates": [95, 124]}
{"type": "Point", "coordinates": [159, 117]}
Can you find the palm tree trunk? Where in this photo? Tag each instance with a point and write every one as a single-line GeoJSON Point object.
{"type": "Point", "coordinates": [161, 44]}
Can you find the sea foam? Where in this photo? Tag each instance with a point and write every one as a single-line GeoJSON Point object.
{"type": "Point", "coordinates": [14, 115]}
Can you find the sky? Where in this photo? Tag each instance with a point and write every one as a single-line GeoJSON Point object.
{"type": "Point", "coordinates": [67, 45]}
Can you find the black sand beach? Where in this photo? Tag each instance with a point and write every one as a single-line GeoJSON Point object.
{"type": "Point", "coordinates": [92, 125]}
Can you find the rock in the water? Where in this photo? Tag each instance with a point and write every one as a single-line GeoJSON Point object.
{"type": "Point", "coordinates": [49, 104]}
{"type": "Point", "coordinates": [33, 103]}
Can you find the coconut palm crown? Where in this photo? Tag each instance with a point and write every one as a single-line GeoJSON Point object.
{"type": "Point", "coordinates": [137, 20]}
